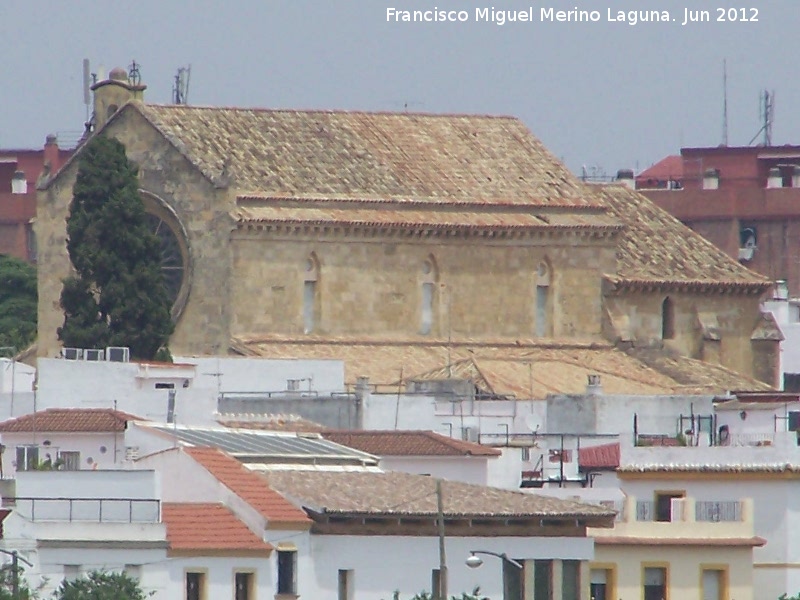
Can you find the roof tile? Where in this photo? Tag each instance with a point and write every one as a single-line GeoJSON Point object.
{"type": "Point", "coordinates": [250, 487]}
{"type": "Point", "coordinates": [210, 527]}
{"type": "Point", "coordinates": [68, 420]}
{"type": "Point", "coordinates": [408, 443]}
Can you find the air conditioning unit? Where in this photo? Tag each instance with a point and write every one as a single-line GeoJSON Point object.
{"type": "Point", "coordinates": [72, 353]}
{"type": "Point", "coordinates": [747, 253]}
{"type": "Point", "coordinates": [131, 453]}
{"type": "Point", "coordinates": [93, 354]}
{"type": "Point", "coordinates": [118, 354]}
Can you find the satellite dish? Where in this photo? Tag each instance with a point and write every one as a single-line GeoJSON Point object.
{"type": "Point", "coordinates": [532, 423]}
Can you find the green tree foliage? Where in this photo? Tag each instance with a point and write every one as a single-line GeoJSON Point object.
{"type": "Point", "coordinates": [7, 584]}
{"type": "Point", "coordinates": [98, 585]}
{"type": "Point", "coordinates": [117, 296]}
{"type": "Point", "coordinates": [18, 299]}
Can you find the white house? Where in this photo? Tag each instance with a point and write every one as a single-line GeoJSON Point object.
{"type": "Point", "coordinates": [68, 439]}
{"type": "Point", "coordinates": [66, 523]}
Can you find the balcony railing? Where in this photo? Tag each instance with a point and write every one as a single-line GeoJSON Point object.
{"type": "Point", "coordinates": [718, 511]}
{"type": "Point", "coordinates": [92, 510]}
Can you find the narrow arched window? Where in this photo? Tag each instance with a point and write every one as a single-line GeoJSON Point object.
{"type": "Point", "coordinates": [667, 319]}
{"type": "Point", "coordinates": [310, 292]}
{"type": "Point", "coordinates": [428, 280]}
{"type": "Point", "coordinates": [542, 308]}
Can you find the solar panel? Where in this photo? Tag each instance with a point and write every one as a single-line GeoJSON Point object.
{"type": "Point", "coordinates": [261, 443]}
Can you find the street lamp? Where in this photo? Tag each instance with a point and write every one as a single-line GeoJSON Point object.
{"type": "Point", "coordinates": [15, 558]}
{"type": "Point", "coordinates": [474, 561]}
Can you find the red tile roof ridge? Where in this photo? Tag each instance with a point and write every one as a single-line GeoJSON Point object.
{"type": "Point", "coordinates": [393, 446]}
{"type": "Point", "coordinates": [250, 487]}
{"type": "Point", "coordinates": [203, 526]}
{"type": "Point", "coordinates": [71, 420]}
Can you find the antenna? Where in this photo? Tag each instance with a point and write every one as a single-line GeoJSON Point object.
{"type": "Point", "coordinates": [86, 85]}
{"type": "Point", "coordinates": [724, 102]}
{"type": "Point", "coordinates": [767, 113]}
{"type": "Point", "coordinates": [180, 89]}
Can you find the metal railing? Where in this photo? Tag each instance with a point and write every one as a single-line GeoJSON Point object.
{"type": "Point", "coordinates": [718, 511]}
{"type": "Point", "coordinates": [93, 510]}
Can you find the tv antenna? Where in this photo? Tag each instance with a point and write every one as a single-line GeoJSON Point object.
{"type": "Point", "coordinates": [87, 82]}
{"type": "Point", "coordinates": [180, 88]}
{"type": "Point", "coordinates": [724, 102]}
{"type": "Point", "coordinates": [767, 110]}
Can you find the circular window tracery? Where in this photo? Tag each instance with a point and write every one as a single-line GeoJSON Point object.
{"type": "Point", "coordinates": [175, 262]}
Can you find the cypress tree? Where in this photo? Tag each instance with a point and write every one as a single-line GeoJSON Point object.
{"type": "Point", "coordinates": [117, 295]}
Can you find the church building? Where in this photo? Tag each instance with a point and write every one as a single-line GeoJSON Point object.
{"type": "Point", "coordinates": [406, 244]}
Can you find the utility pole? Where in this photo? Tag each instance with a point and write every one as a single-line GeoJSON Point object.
{"type": "Point", "coordinates": [442, 591]}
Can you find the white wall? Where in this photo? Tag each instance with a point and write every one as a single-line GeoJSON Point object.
{"type": "Point", "coordinates": [106, 450]}
{"type": "Point", "coordinates": [219, 575]}
{"type": "Point", "coordinates": [469, 469]}
{"type": "Point", "coordinates": [88, 484]}
{"type": "Point", "coordinates": [16, 376]}
{"type": "Point", "coordinates": [384, 564]}
{"type": "Point", "coordinates": [130, 387]}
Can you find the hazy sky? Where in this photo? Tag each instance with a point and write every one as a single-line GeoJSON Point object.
{"type": "Point", "coordinates": [601, 94]}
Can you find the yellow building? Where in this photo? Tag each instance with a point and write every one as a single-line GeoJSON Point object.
{"type": "Point", "coordinates": [408, 243]}
{"type": "Point", "coordinates": [695, 551]}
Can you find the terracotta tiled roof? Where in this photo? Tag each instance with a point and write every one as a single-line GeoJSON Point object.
{"type": "Point", "coordinates": [656, 247]}
{"type": "Point", "coordinates": [523, 368]}
{"type": "Point", "coordinates": [668, 168]}
{"type": "Point", "coordinates": [66, 420]}
{"type": "Point", "coordinates": [250, 487]}
{"type": "Point", "coordinates": [370, 155]}
{"type": "Point", "coordinates": [408, 443]}
{"type": "Point", "coordinates": [406, 494]}
{"type": "Point", "coordinates": [605, 456]}
{"type": "Point", "coordinates": [269, 422]}
{"type": "Point", "coordinates": [208, 528]}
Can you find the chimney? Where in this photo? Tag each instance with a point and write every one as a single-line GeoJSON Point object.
{"type": "Point", "coordinates": [781, 291]}
{"type": "Point", "coordinates": [593, 385]}
{"type": "Point", "coordinates": [113, 93]}
{"type": "Point", "coordinates": [51, 156]}
{"type": "Point", "coordinates": [711, 179]}
{"type": "Point", "coordinates": [625, 177]}
{"type": "Point", "coordinates": [796, 177]}
{"type": "Point", "coordinates": [19, 185]}
{"type": "Point", "coordinates": [774, 179]}
{"type": "Point", "coordinates": [362, 397]}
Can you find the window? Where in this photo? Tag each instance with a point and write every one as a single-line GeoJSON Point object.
{"type": "Point", "coordinates": [436, 582]}
{"type": "Point", "coordinates": [310, 290]}
{"type": "Point", "coordinates": [243, 584]}
{"type": "Point", "coordinates": [655, 583]}
{"type": "Point", "coordinates": [70, 461]}
{"type": "Point", "coordinates": [346, 584]}
{"type": "Point", "coordinates": [714, 584]}
{"type": "Point", "coordinates": [72, 572]}
{"type": "Point", "coordinates": [667, 319]}
{"type": "Point", "coordinates": [195, 585]}
{"type": "Point", "coordinates": [542, 322]}
{"type": "Point", "coordinates": [27, 458]}
{"type": "Point", "coordinates": [526, 453]}
{"type": "Point", "coordinates": [513, 581]}
{"type": "Point", "coordinates": [664, 505]}
{"type": "Point", "coordinates": [570, 580]}
{"type": "Point", "coordinates": [542, 580]}
{"type": "Point", "coordinates": [428, 295]}
{"type": "Point", "coordinates": [601, 585]}
{"type": "Point", "coordinates": [287, 571]}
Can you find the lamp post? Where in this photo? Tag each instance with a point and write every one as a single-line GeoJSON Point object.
{"type": "Point", "coordinates": [474, 561]}
{"type": "Point", "coordinates": [15, 558]}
